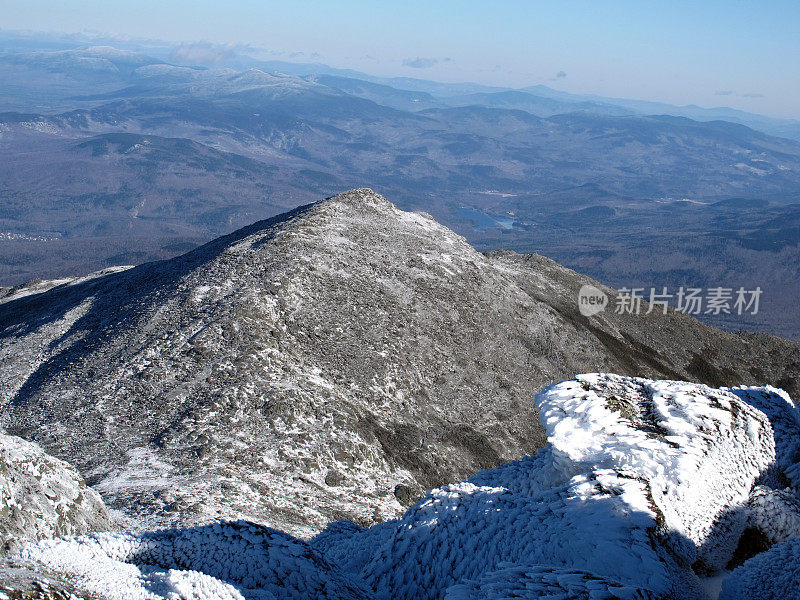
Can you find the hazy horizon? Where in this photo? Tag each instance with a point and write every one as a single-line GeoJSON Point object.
{"type": "Point", "coordinates": [710, 54]}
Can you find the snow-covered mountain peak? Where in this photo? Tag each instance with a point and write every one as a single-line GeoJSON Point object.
{"type": "Point", "coordinates": [329, 363]}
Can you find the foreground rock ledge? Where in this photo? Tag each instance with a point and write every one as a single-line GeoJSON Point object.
{"type": "Point", "coordinates": [42, 497]}
{"type": "Point", "coordinates": [643, 487]}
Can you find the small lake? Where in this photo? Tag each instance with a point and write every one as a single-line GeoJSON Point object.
{"type": "Point", "coordinates": [481, 221]}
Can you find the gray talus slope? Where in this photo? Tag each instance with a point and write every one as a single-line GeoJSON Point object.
{"type": "Point", "coordinates": [325, 364]}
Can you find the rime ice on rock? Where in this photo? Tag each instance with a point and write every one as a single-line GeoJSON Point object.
{"type": "Point", "coordinates": [784, 417]}
{"type": "Point", "coordinates": [699, 449]}
{"type": "Point", "coordinates": [776, 513]}
{"type": "Point", "coordinates": [642, 484]}
{"type": "Point", "coordinates": [42, 497]}
{"type": "Point", "coordinates": [224, 561]}
{"type": "Point", "coordinates": [637, 483]}
{"type": "Point", "coordinates": [771, 575]}
{"type": "Point", "coordinates": [535, 582]}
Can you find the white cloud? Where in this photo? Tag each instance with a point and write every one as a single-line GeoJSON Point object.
{"type": "Point", "coordinates": [202, 53]}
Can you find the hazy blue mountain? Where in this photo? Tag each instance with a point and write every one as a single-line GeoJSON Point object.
{"type": "Point", "coordinates": [379, 93]}
{"type": "Point", "coordinates": [789, 128]}
{"type": "Point", "coordinates": [25, 64]}
{"type": "Point", "coordinates": [542, 106]}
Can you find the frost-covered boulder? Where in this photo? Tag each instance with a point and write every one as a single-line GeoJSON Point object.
{"type": "Point", "coordinates": [43, 497]}
{"type": "Point", "coordinates": [784, 416]}
{"type": "Point", "coordinates": [536, 582]}
{"type": "Point", "coordinates": [775, 513]}
{"type": "Point", "coordinates": [223, 561]}
{"type": "Point", "coordinates": [640, 480]}
{"type": "Point", "coordinates": [771, 575]}
{"type": "Point", "coordinates": [699, 449]}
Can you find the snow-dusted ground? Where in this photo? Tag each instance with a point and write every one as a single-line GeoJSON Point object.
{"type": "Point", "coordinates": [642, 484]}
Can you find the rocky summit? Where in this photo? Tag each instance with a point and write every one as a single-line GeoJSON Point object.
{"type": "Point", "coordinates": [327, 364]}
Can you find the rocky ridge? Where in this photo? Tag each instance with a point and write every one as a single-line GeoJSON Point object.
{"type": "Point", "coordinates": [327, 364]}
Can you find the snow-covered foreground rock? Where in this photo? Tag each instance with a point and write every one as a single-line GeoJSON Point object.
{"type": "Point", "coordinates": [771, 575]}
{"type": "Point", "coordinates": [228, 561]}
{"type": "Point", "coordinates": [785, 419]}
{"type": "Point", "coordinates": [43, 497]}
{"type": "Point", "coordinates": [643, 485]}
{"type": "Point", "coordinates": [699, 450]}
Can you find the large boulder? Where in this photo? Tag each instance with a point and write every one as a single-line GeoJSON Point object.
{"type": "Point", "coordinates": [42, 497]}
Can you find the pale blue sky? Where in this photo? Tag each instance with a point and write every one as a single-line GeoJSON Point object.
{"type": "Point", "coordinates": [706, 52]}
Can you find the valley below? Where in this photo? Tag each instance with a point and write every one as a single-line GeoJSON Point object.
{"type": "Point", "coordinates": [153, 159]}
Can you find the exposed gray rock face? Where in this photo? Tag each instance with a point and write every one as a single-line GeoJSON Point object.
{"type": "Point", "coordinates": [42, 497]}
{"type": "Point", "coordinates": [327, 364]}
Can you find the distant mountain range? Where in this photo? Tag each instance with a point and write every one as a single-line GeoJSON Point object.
{"type": "Point", "coordinates": [112, 157]}
{"type": "Point", "coordinates": [105, 65]}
